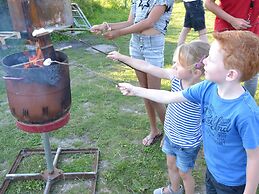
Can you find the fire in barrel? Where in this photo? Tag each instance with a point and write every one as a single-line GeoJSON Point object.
{"type": "Point", "coordinates": [36, 93]}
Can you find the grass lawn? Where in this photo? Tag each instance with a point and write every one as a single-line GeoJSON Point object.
{"type": "Point", "coordinates": [100, 117]}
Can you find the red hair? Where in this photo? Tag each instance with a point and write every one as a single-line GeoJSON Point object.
{"type": "Point", "coordinates": [241, 51]}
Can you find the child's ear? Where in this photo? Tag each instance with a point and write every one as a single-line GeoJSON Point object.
{"type": "Point", "coordinates": [232, 75]}
{"type": "Point", "coordinates": [197, 73]}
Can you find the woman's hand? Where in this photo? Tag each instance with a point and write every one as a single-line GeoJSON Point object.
{"type": "Point", "coordinates": [126, 89]}
{"type": "Point", "coordinates": [110, 35]}
{"type": "Point", "coordinates": [98, 29]}
{"type": "Point", "coordinates": [114, 55]}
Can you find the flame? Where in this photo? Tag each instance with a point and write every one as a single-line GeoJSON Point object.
{"type": "Point", "coordinates": [35, 60]}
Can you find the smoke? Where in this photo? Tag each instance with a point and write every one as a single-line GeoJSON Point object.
{"type": "Point", "coordinates": [5, 19]}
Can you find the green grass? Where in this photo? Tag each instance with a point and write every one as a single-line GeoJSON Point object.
{"type": "Point", "coordinates": [100, 117]}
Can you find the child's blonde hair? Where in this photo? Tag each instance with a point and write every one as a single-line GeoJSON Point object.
{"type": "Point", "coordinates": [241, 52]}
{"type": "Point", "coordinates": [191, 55]}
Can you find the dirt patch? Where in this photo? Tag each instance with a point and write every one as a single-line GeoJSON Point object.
{"type": "Point", "coordinates": [104, 190]}
{"type": "Point", "coordinates": [102, 47]}
{"type": "Point", "coordinates": [70, 142]}
{"type": "Point", "coordinates": [73, 43]}
{"type": "Point", "coordinates": [78, 186]}
{"type": "Point", "coordinates": [131, 110]}
{"type": "Point", "coordinates": [3, 168]}
{"type": "Point", "coordinates": [103, 165]}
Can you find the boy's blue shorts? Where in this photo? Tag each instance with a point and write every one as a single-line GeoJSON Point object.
{"type": "Point", "coordinates": [185, 157]}
{"type": "Point", "coordinates": [194, 15]}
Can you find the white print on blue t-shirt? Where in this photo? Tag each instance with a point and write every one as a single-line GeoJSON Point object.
{"type": "Point", "coordinates": [218, 127]}
{"type": "Point", "coordinates": [229, 127]}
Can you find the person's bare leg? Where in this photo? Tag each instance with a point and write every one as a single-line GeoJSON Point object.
{"type": "Point", "coordinates": [173, 173]}
{"type": "Point", "coordinates": [143, 81]}
{"type": "Point", "coordinates": [183, 35]}
{"type": "Point", "coordinates": [155, 83]}
{"type": "Point", "coordinates": [203, 35]}
{"type": "Point", "coordinates": [188, 182]}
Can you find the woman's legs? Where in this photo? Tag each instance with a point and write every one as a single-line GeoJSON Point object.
{"type": "Point", "coordinates": [183, 35]}
{"type": "Point", "coordinates": [155, 83]}
{"type": "Point", "coordinates": [203, 35]}
{"type": "Point", "coordinates": [150, 49]}
{"type": "Point", "coordinates": [151, 82]}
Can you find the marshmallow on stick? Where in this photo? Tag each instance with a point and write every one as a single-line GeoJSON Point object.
{"type": "Point", "coordinates": [41, 31]}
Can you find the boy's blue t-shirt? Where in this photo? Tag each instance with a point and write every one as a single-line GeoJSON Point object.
{"type": "Point", "coordinates": [228, 128]}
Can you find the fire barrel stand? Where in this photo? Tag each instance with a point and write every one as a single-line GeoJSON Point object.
{"type": "Point", "coordinates": [52, 173]}
{"type": "Point", "coordinates": [40, 99]}
{"type": "Point", "coordinates": [39, 96]}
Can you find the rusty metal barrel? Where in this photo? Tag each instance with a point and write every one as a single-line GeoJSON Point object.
{"type": "Point", "coordinates": [37, 95]}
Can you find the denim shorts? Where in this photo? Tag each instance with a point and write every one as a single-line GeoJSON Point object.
{"type": "Point", "coordinates": [185, 157]}
{"type": "Point", "coordinates": [214, 187]}
{"type": "Point", "coordinates": [194, 15]}
{"type": "Point", "coordinates": [148, 48]}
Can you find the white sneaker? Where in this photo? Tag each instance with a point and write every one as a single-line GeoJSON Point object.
{"type": "Point", "coordinates": [161, 190]}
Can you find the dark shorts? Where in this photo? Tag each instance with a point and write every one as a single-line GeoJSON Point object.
{"type": "Point", "coordinates": [213, 187]}
{"type": "Point", "coordinates": [194, 15]}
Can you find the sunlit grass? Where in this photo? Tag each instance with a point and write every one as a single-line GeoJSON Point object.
{"type": "Point", "coordinates": [100, 116]}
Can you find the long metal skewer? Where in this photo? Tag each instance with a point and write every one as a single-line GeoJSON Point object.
{"type": "Point", "coordinates": [88, 69]}
{"type": "Point", "coordinates": [98, 50]}
{"type": "Point", "coordinates": [28, 62]}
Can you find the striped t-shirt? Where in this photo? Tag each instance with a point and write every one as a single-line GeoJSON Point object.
{"type": "Point", "coordinates": [183, 121]}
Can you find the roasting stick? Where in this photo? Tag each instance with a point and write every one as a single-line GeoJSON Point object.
{"type": "Point", "coordinates": [97, 74]}
{"type": "Point", "coordinates": [38, 60]}
{"type": "Point", "coordinates": [48, 62]}
{"type": "Point", "coordinates": [98, 50]}
{"type": "Point", "coordinates": [28, 62]}
{"type": "Point", "coordinates": [43, 31]}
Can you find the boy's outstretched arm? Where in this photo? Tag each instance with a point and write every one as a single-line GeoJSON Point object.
{"type": "Point", "coordinates": [142, 65]}
{"type": "Point", "coordinates": [160, 96]}
{"type": "Point", "coordinates": [252, 171]}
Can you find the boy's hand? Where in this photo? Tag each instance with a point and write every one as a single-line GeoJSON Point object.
{"type": "Point", "coordinates": [126, 89]}
{"type": "Point", "coordinates": [114, 55]}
